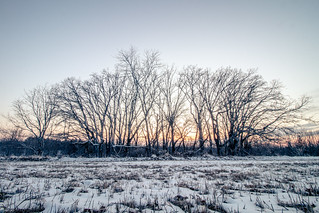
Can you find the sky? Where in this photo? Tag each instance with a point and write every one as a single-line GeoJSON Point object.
{"type": "Point", "coordinates": [43, 42]}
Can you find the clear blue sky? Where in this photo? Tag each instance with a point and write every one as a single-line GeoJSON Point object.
{"type": "Point", "coordinates": [44, 42]}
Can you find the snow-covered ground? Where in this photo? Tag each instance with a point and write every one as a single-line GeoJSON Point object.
{"type": "Point", "coordinates": [255, 184]}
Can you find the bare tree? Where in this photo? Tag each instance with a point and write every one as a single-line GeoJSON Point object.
{"type": "Point", "coordinates": [211, 89]}
{"type": "Point", "coordinates": [114, 112]}
{"type": "Point", "coordinates": [85, 105]}
{"type": "Point", "coordinates": [34, 114]}
{"type": "Point", "coordinates": [99, 93]}
{"type": "Point", "coordinates": [251, 107]}
{"type": "Point", "coordinates": [172, 107]}
{"type": "Point", "coordinates": [240, 106]}
{"type": "Point", "coordinates": [143, 75]}
{"type": "Point", "coordinates": [130, 113]}
{"type": "Point", "coordinates": [191, 79]}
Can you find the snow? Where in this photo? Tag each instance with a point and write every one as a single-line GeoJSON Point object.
{"type": "Point", "coordinates": [210, 184]}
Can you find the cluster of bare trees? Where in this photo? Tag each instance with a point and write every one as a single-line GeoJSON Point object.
{"type": "Point", "coordinates": [144, 102]}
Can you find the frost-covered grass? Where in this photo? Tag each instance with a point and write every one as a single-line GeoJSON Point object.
{"type": "Point", "coordinates": [265, 184]}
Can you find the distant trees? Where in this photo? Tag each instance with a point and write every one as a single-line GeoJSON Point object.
{"type": "Point", "coordinates": [145, 102]}
{"type": "Point", "coordinates": [11, 133]}
{"type": "Point", "coordinates": [34, 114]}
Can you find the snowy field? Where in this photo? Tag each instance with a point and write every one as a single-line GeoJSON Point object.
{"type": "Point", "coordinates": [261, 184]}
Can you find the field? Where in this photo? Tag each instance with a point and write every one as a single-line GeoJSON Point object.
{"type": "Point", "coordinates": [254, 184]}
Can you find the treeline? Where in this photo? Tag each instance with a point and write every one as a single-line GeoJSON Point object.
{"type": "Point", "coordinates": [306, 145]}
{"type": "Point", "coordinates": [143, 102]}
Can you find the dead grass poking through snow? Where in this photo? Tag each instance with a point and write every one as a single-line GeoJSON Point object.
{"type": "Point", "coordinates": [278, 184]}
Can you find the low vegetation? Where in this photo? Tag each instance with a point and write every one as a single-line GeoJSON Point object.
{"type": "Point", "coordinates": [302, 145]}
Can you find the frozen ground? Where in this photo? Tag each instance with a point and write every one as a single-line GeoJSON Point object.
{"type": "Point", "coordinates": [266, 184]}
